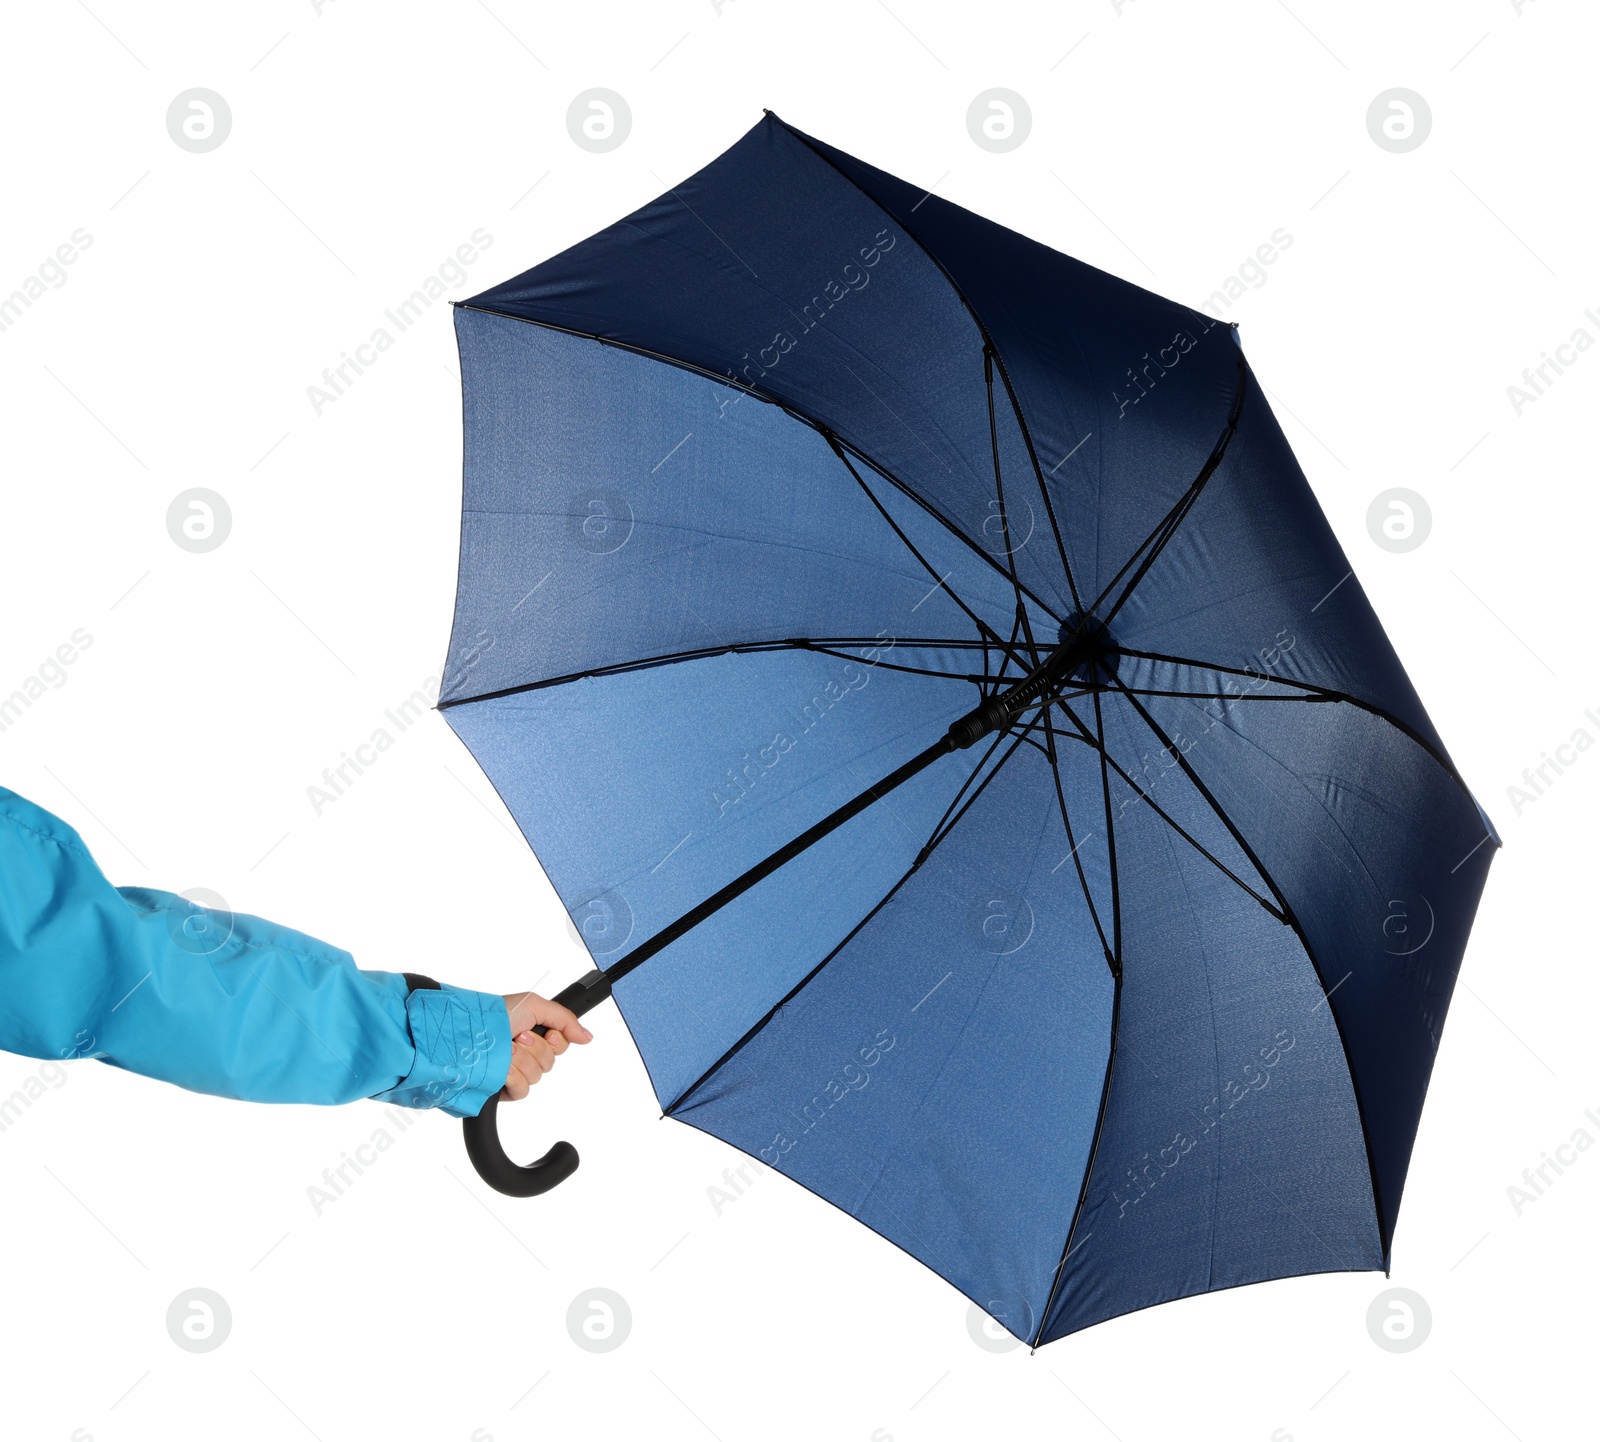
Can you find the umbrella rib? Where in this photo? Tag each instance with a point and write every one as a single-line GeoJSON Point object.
{"type": "Point", "coordinates": [984, 629]}
{"type": "Point", "coordinates": [912, 496]}
{"type": "Point", "coordinates": [1324, 693]}
{"type": "Point", "coordinates": [1094, 1156]}
{"type": "Point", "coordinates": [1164, 528]}
{"type": "Point", "coordinates": [1111, 838]}
{"type": "Point", "coordinates": [1116, 995]}
{"type": "Point", "coordinates": [745, 648]}
{"type": "Point", "coordinates": [1185, 503]}
{"type": "Point", "coordinates": [1213, 696]}
{"type": "Point", "coordinates": [937, 834]}
{"type": "Point", "coordinates": [1198, 665]}
{"type": "Point", "coordinates": [823, 649]}
{"type": "Point", "coordinates": [939, 831]}
{"type": "Point", "coordinates": [1111, 1046]}
{"type": "Point", "coordinates": [1290, 919]}
{"type": "Point", "coordinates": [1144, 795]}
{"type": "Point", "coordinates": [1033, 457]}
{"type": "Point", "coordinates": [1029, 734]}
{"type": "Point", "coordinates": [1000, 498]}
{"type": "Point", "coordinates": [1010, 652]}
{"type": "Point", "coordinates": [756, 393]}
{"type": "Point", "coordinates": [1066, 821]}
{"type": "Point", "coordinates": [988, 341]}
{"type": "Point", "coordinates": [1007, 655]}
{"type": "Point", "coordinates": [916, 865]}
{"type": "Point", "coordinates": [1178, 755]}
{"type": "Point", "coordinates": [1159, 535]}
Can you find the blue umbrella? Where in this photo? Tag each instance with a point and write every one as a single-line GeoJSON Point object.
{"type": "Point", "coordinates": [927, 679]}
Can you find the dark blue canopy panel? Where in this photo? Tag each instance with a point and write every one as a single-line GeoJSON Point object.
{"type": "Point", "coordinates": [1231, 1149]}
{"type": "Point", "coordinates": [940, 1077]}
{"type": "Point", "coordinates": [765, 486]}
{"type": "Point", "coordinates": [1124, 393]}
{"type": "Point", "coordinates": [618, 510]}
{"type": "Point", "coordinates": [773, 271]}
{"type": "Point", "coordinates": [1379, 855]}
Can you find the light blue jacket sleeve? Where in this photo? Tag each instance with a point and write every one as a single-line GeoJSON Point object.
{"type": "Point", "coordinates": [216, 1002]}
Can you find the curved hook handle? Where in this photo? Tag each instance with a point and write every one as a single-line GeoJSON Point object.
{"type": "Point", "coordinates": [482, 1132]}
{"type": "Point", "coordinates": [489, 1159]}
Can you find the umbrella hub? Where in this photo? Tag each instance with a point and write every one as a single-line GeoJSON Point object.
{"type": "Point", "coordinates": [1084, 656]}
{"type": "Point", "coordinates": [1090, 650]}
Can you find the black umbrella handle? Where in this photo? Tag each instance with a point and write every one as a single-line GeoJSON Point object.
{"type": "Point", "coordinates": [482, 1133]}
{"type": "Point", "coordinates": [482, 1136]}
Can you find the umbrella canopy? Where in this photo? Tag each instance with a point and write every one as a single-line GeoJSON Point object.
{"type": "Point", "coordinates": [1131, 993]}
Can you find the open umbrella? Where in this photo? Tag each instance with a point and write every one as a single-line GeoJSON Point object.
{"type": "Point", "coordinates": [929, 683]}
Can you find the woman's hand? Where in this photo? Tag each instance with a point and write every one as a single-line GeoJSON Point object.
{"type": "Point", "coordinates": [533, 1055]}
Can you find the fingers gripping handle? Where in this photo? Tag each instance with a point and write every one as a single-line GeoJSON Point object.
{"type": "Point", "coordinates": [482, 1132]}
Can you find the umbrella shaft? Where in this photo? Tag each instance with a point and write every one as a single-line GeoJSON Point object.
{"type": "Point", "coordinates": [762, 869]}
{"type": "Point", "coordinates": [996, 713]}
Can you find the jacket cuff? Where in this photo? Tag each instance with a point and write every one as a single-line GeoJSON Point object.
{"type": "Point", "coordinates": [463, 1051]}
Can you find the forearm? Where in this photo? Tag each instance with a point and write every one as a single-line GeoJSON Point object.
{"type": "Point", "coordinates": [234, 1006]}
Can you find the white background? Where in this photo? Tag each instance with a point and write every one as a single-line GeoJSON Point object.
{"type": "Point", "coordinates": [368, 142]}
